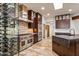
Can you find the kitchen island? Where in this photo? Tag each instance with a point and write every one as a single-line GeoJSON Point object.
{"type": "Point", "coordinates": [66, 45]}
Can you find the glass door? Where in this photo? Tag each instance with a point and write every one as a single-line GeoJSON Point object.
{"type": "Point", "coordinates": [8, 29]}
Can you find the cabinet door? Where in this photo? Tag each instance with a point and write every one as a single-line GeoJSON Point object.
{"type": "Point", "coordinates": [35, 38]}
{"type": "Point", "coordinates": [62, 24]}
{"type": "Point", "coordinates": [62, 21]}
{"type": "Point", "coordinates": [31, 16]}
{"type": "Point", "coordinates": [30, 25]}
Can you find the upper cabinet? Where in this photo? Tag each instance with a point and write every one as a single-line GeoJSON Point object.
{"type": "Point", "coordinates": [62, 21]}
{"type": "Point", "coordinates": [39, 17]}
{"type": "Point", "coordinates": [75, 17]}
{"type": "Point", "coordinates": [31, 15]}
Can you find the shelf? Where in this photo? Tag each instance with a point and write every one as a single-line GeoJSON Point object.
{"type": "Point", "coordinates": [27, 34]}
{"type": "Point", "coordinates": [23, 12]}
{"type": "Point", "coordinates": [25, 20]}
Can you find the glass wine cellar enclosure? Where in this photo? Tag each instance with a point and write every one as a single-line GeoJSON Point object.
{"type": "Point", "coordinates": [8, 29]}
{"type": "Point", "coordinates": [20, 28]}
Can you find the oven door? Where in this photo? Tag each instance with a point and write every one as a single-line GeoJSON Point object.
{"type": "Point", "coordinates": [29, 41]}
{"type": "Point", "coordinates": [23, 42]}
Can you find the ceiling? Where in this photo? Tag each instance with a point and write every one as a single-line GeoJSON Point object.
{"type": "Point", "coordinates": [49, 8]}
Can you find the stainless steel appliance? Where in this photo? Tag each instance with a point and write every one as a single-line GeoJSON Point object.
{"type": "Point", "coordinates": [26, 40]}
{"type": "Point", "coordinates": [22, 42]}
{"type": "Point", "coordinates": [29, 40]}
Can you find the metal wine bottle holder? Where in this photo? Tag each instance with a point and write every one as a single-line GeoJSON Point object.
{"type": "Point", "coordinates": [8, 41]}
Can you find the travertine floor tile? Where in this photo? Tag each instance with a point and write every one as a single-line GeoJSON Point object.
{"type": "Point", "coordinates": [42, 48]}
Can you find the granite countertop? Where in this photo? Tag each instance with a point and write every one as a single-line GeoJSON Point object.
{"type": "Point", "coordinates": [65, 40]}
{"type": "Point", "coordinates": [68, 37]}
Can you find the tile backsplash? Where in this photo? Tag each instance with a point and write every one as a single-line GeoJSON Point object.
{"type": "Point", "coordinates": [23, 28]}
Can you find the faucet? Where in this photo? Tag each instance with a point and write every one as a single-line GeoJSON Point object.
{"type": "Point", "coordinates": [72, 32]}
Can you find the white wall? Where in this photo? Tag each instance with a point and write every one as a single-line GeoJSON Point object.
{"type": "Point", "coordinates": [43, 22]}
{"type": "Point", "coordinates": [75, 25]}
{"type": "Point", "coordinates": [50, 22]}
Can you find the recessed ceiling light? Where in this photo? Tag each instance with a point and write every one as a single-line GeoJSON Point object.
{"type": "Point", "coordinates": [42, 8]}
{"type": "Point", "coordinates": [48, 14]}
{"type": "Point", "coordinates": [70, 10]}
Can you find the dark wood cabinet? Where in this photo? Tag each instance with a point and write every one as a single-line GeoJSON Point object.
{"type": "Point", "coordinates": [29, 25]}
{"type": "Point", "coordinates": [63, 51]}
{"type": "Point", "coordinates": [36, 25]}
{"type": "Point", "coordinates": [62, 21]}
{"type": "Point", "coordinates": [39, 18]}
{"type": "Point", "coordinates": [75, 17]}
{"type": "Point", "coordinates": [35, 29]}
{"type": "Point", "coordinates": [66, 45]}
{"type": "Point", "coordinates": [31, 16]}
{"type": "Point", "coordinates": [35, 38]}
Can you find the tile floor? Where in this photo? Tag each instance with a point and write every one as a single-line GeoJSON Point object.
{"type": "Point", "coordinates": [42, 48]}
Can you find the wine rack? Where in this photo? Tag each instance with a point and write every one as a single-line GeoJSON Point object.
{"type": "Point", "coordinates": [8, 38]}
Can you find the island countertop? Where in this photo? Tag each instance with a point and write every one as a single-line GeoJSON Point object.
{"type": "Point", "coordinates": [65, 40]}
{"type": "Point", "coordinates": [68, 37]}
{"type": "Point", "coordinates": [66, 44]}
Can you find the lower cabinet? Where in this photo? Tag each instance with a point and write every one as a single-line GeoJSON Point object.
{"type": "Point", "coordinates": [26, 41]}
{"type": "Point", "coordinates": [35, 38]}
{"type": "Point", "coordinates": [77, 48]}
{"type": "Point", "coordinates": [64, 50]}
